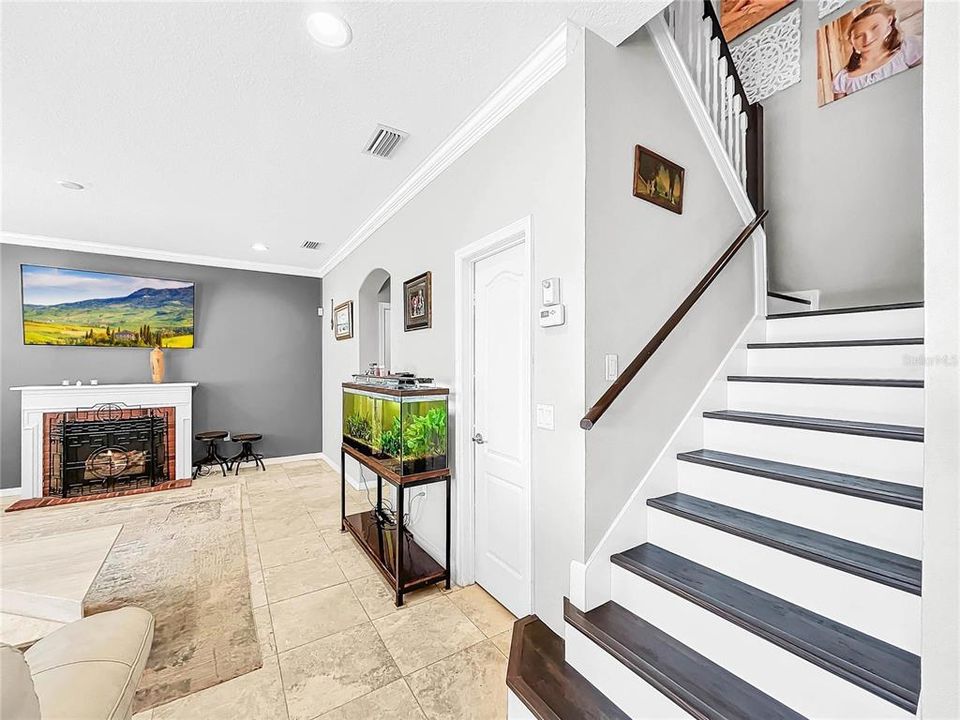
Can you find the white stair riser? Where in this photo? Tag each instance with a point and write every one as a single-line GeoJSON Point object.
{"type": "Point", "coordinates": [860, 361]}
{"type": "Point", "coordinates": [879, 458]}
{"type": "Point", "coordinates": [516, 710]}
{"type": "Point", "coordinates": [622, 686]}
{"type": "Point", "coordinates": [896, 405]}
{"type": "Point", "coordinates": [878, 325]}
{"type": "Point", "coordinates": [794, 681]}
{"type": "Point", "coordinates": [878, 524]}
{"type": "Point", "coordinates": [879, 610]}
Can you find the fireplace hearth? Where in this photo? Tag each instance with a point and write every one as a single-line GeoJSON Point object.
{"type": "Point", "coordinates": [107, 448]}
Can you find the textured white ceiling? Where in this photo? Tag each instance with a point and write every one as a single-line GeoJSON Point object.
{"type": "Point", "coordinates": [202, 128]}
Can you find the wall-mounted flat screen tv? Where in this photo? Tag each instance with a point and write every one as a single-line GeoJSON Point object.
{"type": "Point", "coordinates": [81, 307]}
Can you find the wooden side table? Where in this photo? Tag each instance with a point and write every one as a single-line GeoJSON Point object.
{"type": "Point", "coordinates": [391, 548]}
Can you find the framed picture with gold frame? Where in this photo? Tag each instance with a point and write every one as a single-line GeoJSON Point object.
{"type": "Point", "coordinates": [343, 320]}
{"type": "Point", "coordinates": [657, 180]}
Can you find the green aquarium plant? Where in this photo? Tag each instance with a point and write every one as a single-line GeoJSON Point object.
{"type": "Point", "coordinates": [391, 441]}
{"type": "Point", "coordinates": [426, 435]}
{"type": "Point", "coordinates": [358, 427]}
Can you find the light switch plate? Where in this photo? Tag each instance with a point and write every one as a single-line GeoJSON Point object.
{"type": "Point", "coordinates": [545, 417]}
{"type": "Point", "coordinates": [611, 369]}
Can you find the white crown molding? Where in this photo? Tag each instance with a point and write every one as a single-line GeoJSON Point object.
{"type": "Point", "coordinates": [43, 241]}
{"type": "Point", "coordinates": [545, 62]}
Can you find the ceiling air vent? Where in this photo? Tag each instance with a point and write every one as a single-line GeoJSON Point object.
{"type": "Point", "coordinates": [384, 141]}
{"type": "Point", "coordinates": [311, 245]}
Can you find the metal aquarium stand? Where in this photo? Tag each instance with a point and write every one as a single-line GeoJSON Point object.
{"type": "Point", "coordinates": [391, 548]}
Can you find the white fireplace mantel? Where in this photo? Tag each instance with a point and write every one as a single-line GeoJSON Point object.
{"type": "Point", "coordinates": [35, 400]}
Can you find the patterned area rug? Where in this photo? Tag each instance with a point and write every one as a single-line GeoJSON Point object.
{"type": "Point", "coordinates": [180, 555]}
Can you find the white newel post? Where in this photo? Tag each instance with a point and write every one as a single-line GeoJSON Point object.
{"type": "Point", "coordinates": [35, 400]}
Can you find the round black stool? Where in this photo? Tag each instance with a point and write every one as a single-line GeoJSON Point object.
{"type": "Point", "coordinates": [246, 453]}
{"type": "Point", "coordinates": [213, 457]}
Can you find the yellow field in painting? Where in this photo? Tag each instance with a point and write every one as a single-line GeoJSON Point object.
{"type": "Point", "coordinates": [39, 333]}
{"type": "Point", "coordinates": [35, 333]}
{"type": "Point", "coordinates": [178, 341]}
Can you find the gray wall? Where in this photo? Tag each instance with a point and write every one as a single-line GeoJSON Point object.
{"type": "Point", "coordinates": [641, 261]}
{"type": "Point", "coordinates": [529, 164]}
{"type": "Point", "coordinates": [257, 353]}
{"type": "Point", "coordinates": [843, 185]}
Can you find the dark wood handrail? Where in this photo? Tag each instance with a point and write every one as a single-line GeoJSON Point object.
{"type": "Point", "coordinates": [620, 384]}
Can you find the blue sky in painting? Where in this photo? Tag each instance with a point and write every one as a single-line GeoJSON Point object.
{"type": "Point", "coordinates": [52, 286]}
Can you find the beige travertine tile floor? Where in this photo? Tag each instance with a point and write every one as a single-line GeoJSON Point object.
{"type": "Point", "coordinates": [334, 646]}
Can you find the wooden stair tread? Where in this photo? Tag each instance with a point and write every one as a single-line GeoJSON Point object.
{"type": "Point", "coordinates": [884, 491]}
{"type": "Point", "coordinates": [880, 342]}
{"type": "Point", "coordinates": [844, 311]}
{"type": "Point", "coordinates": [896, 571]}
{"type": "Point", "coordinates": [550, 688]}
{"type": "Point", "coordinates": [699, 686]}
{"type": "Point", "coordinates": [847, 427]}
{"type": "Point", "coordinates": [878, 667]}
{"type": "Point", "coordinates": [864, 382]}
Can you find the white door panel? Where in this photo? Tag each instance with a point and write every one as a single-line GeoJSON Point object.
{"type": "Point", "coordinates": [501, 427]}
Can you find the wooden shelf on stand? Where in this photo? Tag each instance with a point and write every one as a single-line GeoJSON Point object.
{"type": "Point", "coordinates": [405, 565]}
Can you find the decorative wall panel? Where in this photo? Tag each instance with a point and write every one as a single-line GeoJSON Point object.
{"type": "Point", "coordinates": [769, 61]}
{"type": "Point", "coordinates": [825, 7]}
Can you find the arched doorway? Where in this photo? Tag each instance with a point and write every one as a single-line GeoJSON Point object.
{"type": "Point", "coordinates": [373, 319]}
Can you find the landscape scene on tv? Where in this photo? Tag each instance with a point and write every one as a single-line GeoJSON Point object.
{"type": "Point", "coordinates": [79, 307]}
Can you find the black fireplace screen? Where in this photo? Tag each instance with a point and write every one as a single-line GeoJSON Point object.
{"type": "Point", "coordinates": [107, 448]}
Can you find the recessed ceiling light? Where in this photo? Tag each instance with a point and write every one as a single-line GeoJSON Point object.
{"type": "Point", "coordinates": [69, 185]}
{"type": "Point", "coordinates": [259, 247]}
{"type": "Point", "coordinates": [329, 30]}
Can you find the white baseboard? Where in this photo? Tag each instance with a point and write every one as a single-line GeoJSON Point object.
{"type": "Point", "coordinates": [354, 482]}
{"type": "Point", "coordinates": [7, 492]}
{"type": "Point", "coordinates": [292, 458]}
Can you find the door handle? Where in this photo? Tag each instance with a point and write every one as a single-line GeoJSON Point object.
{"type": "Point", "coordinates": [478, 439]}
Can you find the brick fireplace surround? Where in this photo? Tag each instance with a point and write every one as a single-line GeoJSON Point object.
{"type": "Point", "coordinates": [169, 414]}
{"type": "Point", "coordinates": [42, 404]}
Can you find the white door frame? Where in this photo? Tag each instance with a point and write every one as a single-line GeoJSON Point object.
{"type": "Point", "coordinates": [517, 233]}
{"type": "Point", "coordinates": [383, 333]}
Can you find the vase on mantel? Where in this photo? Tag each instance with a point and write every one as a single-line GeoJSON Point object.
{"type": "Point", "coordinates": [157, 364]}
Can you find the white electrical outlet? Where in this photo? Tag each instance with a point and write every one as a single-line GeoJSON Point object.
{"type": "Point", "coordinates": [611, 369]}
{"type": "Point", "coordinates": [545, 417]}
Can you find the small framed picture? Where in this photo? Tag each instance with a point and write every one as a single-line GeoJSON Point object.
{"type": "Point", "coordinates": [343, 320]}
{"type": "Point", "coordinates": [417, 303]}
{"type": "Point", "coordinates": [657, 180]}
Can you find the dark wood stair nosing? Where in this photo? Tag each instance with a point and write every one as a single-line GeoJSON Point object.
{"type": "Point", "coordinates": [801, 344]}
{"type": "Point", "coordinates": [886, 431]}
{"type": "Point", "coordinates": [823, 556]}
{"type": "Point", "coordinates": [794, 380]}
{"type": "Point", "coordinates": [590, 703]}
{"type": "Point", "coordinates": [888, 690]}
{"type": "Point", "coordinates": [846, 311]}
{"type": "Point", "coordinates": [885, 491]}
{"type": "Point", "coordinates": [648, 671]}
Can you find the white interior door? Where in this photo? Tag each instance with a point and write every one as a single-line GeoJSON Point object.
{"type": "Point", "coordinates": [501, 422]}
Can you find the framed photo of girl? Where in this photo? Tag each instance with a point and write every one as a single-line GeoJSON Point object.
{"type": "Point", "coordinates": [418, 303]}
{"type": "Point", "coordinates": [874, 41]}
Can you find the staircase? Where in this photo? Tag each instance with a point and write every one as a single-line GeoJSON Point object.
{"type": "Point", "coordinates": [782, 578]}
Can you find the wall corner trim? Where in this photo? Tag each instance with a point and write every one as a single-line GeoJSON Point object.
{"type": "Point", "coordinates": [55, 243]}
{"type": "Point", "coordinates": [534, 72]}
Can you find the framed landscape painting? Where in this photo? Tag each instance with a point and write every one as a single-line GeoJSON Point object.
{"type": "Point", "coordinates": [81, 307]}
{"type": "Point", "coordinates": [657, 180]}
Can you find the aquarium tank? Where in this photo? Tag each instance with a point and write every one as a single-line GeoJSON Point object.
{"type": "Point", "coordinates": [405, 429]}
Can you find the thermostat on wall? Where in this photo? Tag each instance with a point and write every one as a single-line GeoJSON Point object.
{"type": "Point", "coordinates": [550, 316]}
